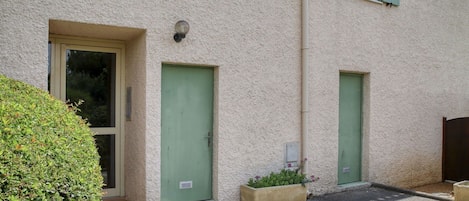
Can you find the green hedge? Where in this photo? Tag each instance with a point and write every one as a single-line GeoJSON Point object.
{"type": "Point", "coordinates": [47, 152]}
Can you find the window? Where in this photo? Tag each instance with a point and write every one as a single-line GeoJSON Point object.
{"type": "Point", "coordinates": [90, 73]}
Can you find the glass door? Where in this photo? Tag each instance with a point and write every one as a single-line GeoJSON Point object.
{"type": "Point", "coordinates": [90, 77]}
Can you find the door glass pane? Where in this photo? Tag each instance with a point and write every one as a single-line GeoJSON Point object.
{"type": "Point", "coordinates": [106, 149]}
{"type": "Point", "coordinates": [90, 76]}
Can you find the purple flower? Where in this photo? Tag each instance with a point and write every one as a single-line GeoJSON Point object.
{"type": "Point", "coordinates": [257, 177]}
{"type": "Point", "coordinates": [313, 178]}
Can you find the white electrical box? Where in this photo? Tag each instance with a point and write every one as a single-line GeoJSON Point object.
{"type": "Point", "coordinates": [292, 154]}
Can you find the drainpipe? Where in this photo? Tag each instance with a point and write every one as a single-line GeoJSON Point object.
{"type": "Point", "coordinates": [304, 82]}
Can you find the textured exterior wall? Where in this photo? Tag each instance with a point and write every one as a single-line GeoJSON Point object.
{"type": "Point", "coordinates": [135, 166]}
{"type": "Point", "coordinates": [23, 39]}
{"type": "Point", "coordinates": [255, 46]}
{"type": "Point", "coordinates": [414, 57]}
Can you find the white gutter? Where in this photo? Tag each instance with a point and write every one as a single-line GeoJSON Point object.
{"type": "Point", "coordinates": [304, 82]}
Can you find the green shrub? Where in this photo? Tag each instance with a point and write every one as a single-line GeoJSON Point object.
{"type": "Point", "coordinates": [47, 152]}
{"type": "Point", "coordinates": [284, 177]}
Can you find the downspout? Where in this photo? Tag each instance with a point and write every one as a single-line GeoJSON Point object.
{"type": "Point", "coordinates": [304, 82]}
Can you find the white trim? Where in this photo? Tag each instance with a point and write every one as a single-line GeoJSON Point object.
{"type": "Point", "coordinates": [87, 41]}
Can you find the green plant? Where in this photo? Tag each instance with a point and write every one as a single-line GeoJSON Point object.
{"type": "Point", "coordinates": [47, 152]}
{"type": "Point", "coordinates": [284, 177]}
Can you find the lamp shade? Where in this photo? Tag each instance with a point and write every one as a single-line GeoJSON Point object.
{"type": "Point", "coordinates": [181, 27]}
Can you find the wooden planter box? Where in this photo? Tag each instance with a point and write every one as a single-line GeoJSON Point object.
{"type": "Point", "coordinates": [295, 192]}
{"type": "Point", "coordinates": [461, 191]}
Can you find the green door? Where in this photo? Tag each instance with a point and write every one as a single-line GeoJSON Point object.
{"type": "Point", "coordinates": [186, 133]}
{"type": "Point", "coordinates": [350, 128]}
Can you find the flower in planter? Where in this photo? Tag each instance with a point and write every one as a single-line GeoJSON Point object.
{"type": "Point", "coordinates": [284, 177]}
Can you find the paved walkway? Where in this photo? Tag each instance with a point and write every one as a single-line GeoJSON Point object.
{"type": "Point", "coordinates": [442, 189]}
{"type": "Point", "coordinates": [370, 194]}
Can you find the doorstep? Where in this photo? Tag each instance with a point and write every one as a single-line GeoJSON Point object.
{"type": "Point", "coordinates": [114, 199]}
{"type": "Point", "coordinates": [354, 186]}
{"type": "Point", "coordinates": [122, 199]}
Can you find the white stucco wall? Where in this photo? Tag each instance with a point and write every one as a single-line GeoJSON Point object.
{"type": "Point", "coordinates": [255, 45]}
{"type": "Point", "coordinates": [416, 65]}
{"type": "Point", "coordinates": [414, 57]}
{"type": "Point", "coordinates": [135, 162]}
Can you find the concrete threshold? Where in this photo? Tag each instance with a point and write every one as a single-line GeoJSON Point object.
{"type": "Point", "coordinates": [354, 186]}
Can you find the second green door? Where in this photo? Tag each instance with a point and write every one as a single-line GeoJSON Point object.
{"type": "Point", "coordinates": [350, 128]}
{"type": "Point", "coordinates": [186, 133]}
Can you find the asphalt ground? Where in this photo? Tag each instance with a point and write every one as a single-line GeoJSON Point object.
{"type": "Point", "coordinates": [371, 194]}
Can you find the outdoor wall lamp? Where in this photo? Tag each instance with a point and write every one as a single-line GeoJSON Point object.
{"type": "Point", "coordinates": [181, 28]}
